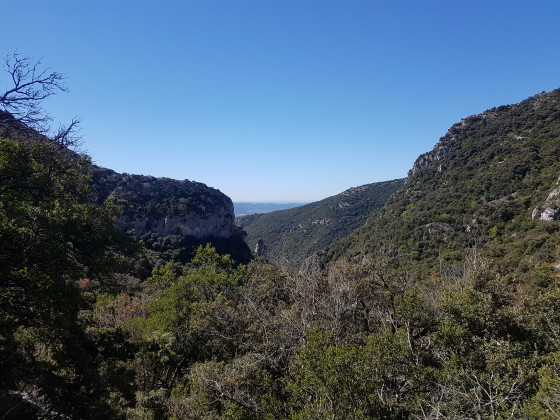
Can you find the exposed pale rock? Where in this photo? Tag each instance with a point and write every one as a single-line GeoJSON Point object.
{"type": "Point", "coordinates": [509, 198]}
{"type": "Point", "coordinates": [324, 221]}
{"type": "Point", "coordinates": [166, 206]}
{"type": "Point", "coordinates": [550, 214]}
{"type": "Point", "coordinates": [438, 229]}
{"type": "Point", "coordinates": [219, 224]}
{"type": "Point", "coordinates": [260, 248]}
{"type": "Point", "coordinates": [550, 209]}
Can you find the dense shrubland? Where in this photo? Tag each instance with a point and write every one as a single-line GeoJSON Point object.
{"type": "Point", "coordinates": [89, 331]}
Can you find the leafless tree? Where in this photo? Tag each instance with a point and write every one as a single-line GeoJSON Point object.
{"type": "Point", "coordinates": [67, 135]}
{"type": "Point", "coordinates": [27, 85]}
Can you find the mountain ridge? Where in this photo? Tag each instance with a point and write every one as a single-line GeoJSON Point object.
{"type": "Point", "coordinates": [297, 233]}
{"type": "Point", "coordinates": [489, 172]}
{"type": "Point", "coordinates": [245, 208]}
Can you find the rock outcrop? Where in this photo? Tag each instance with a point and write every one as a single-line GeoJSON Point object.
{"type": "Point", "coordinates": [434, 159]}
{"type": "Point", "coordinates": [218, 224]}
{"type": "Point", "coordinates": [260, 248]}
{"type": "Point", "coordinates": [550, 209]}
{"type": "Point", "coordinates": [166, 206]}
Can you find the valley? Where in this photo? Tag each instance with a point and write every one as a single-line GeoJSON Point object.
{"type": "Point", "coordinates": [245, 209]}
{"type": "Point", "coordinates": [431, 296]}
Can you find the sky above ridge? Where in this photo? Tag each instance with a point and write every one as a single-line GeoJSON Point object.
{"type": "Point", "coordinates": [281, 100]}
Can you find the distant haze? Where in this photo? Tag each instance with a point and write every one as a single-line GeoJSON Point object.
{"type": "Point", "coordinates": [243, 209]}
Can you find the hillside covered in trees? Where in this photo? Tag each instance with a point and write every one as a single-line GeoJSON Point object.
{"type": "Point", "coordinates": [295, 234]}
{"type": "Point", "coordinates": [445, 304]}
{"type": "Point", "coordinates": [490, 181]}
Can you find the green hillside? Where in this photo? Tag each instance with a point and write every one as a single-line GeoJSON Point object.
{"type": "Point", "coordinates": [482, 184]}
{"type": "Point", "coordinates": [297, 233]}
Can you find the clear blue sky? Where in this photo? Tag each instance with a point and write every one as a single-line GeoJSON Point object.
{"type": "Point", "coordinates": [281, 100]}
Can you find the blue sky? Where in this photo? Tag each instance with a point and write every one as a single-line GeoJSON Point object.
{"type": "Point", "coordinates": [281, 100]}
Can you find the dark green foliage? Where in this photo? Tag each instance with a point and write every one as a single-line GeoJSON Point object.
{"type": "Point", "coordinates": [182, 249]}
{"type": "Point", "coordinates": [297, 233]}
{"type": "Point", "coordinates": [52, 243]}
{"type": "Point", "coordinates": [157, 197]}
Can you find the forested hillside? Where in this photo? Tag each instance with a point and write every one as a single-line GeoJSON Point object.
{"type": "Point", "coordinates": [487, 181]}
{"type": "Point", "coordinates": [56, 250]}
{"type": "Point", "coordinates": [295, 234]}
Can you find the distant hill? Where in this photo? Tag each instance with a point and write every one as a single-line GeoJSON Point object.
{"type": "Point", "coordinates": [243, 209]}
{"type": "Point", "coordinates": [298, 232]}
{"type": "Point", "coordinates": [491, 183]}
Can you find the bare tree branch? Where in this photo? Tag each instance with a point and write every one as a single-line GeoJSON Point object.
{"type": "Point", "coordinates": [29, 84]}
{"type": "Point", "coordinates": [66, 136]}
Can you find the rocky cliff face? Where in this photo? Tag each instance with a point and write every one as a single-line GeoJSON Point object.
{"type": "Point", "coordinates": [166, 206]}
{"type": "Point", "coordinates": [216, 224]}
